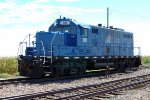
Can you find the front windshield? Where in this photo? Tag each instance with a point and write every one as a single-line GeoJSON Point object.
{"type": "Point", "coordinates": [65, 29]}
{"type": "Point", "coordinates": [62, 29]}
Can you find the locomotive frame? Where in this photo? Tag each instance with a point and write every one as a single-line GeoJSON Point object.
{"type": "Point", "coordinates": [34, 67]}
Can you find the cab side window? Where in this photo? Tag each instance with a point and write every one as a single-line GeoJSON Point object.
{"type": "Point", "coordinates": [85, 32]}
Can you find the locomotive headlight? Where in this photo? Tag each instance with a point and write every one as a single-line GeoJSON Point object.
{"type": "Point", "coordinates": [66, 31]}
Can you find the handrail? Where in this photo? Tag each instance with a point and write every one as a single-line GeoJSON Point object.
{"type": "Point", "coordinates": [43, 51]}
{"type": "Point", "coordinates": [21, 44]}
{"type": "Point", "coordinates": [52, 46]}
{"type": "Point", "coordinates": [139, 50]}
{"type": "Point", "coordinates": [21, 48]}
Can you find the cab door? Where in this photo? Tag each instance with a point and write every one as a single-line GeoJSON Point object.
{"type": "Point", "coordinates": [70, 39]}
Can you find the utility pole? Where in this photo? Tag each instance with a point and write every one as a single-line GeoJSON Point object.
{"type": "Point", "coordinates": [107, 17]}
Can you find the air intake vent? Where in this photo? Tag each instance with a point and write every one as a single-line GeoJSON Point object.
{"type": "Point", "coordinates": [111, 27]}
{"type": "Point", "coordinates": [100, 25]}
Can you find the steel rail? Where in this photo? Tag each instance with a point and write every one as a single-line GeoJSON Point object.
{"type": "Point", "coordinates": [13, 81]}
{"type": "Point", "coordinates": [104, 91]}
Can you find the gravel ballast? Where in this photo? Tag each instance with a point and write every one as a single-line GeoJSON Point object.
{"type": "Point", "coordinates": [21, 89]}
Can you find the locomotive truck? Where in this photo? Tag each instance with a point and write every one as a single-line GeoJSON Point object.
{"type": "Point", "coordinates": [70, 47]}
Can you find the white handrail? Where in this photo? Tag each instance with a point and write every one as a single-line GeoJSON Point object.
{"type": "Point", "coordinates": [43, 51]}
{"type": "Point", "coordinates": [20, 49]}
{"type": "Point", "coordinates": [139, 50]}
{"type": "Point", "coordinates": [52, 45]}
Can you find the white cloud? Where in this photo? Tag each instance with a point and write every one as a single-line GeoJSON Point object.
{"type": "Point", "coordinates": [67, 0]}
{"type": "Point", "coordinates": [34, 12]}
{"type": "Point", "coordinates": [7, 5]}
{"type": "Point", "coordinates": [77, 11]}
{"type": "Point", "coordinates": [41, 1]}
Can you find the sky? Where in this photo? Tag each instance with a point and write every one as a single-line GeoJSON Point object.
{"type": "Point", "coordinates": [21, 17]}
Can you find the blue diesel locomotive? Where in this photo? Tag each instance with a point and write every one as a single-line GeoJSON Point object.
{"type": "Point", "coordinates": [70, 47]}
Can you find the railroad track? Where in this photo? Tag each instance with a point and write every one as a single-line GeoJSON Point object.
{"type": "Point", "coordinates": [52, 79]}
{"type": "Point", "coordinates": [90, 91]}
{"type": "Point", "coordinates": [13, 81]}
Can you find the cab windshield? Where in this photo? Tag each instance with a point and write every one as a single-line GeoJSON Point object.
{"type": "Point", "coordinates": [65, 29]}
{"type": "Point", "coordinates": [62, 29]}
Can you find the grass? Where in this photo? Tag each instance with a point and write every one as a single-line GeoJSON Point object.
{"type": "Point", "coordinates": [8, 65]}
{"type": "Point", "coordinates": [146, 60]}
{"type": "Point", "coordinates": [5, 75]}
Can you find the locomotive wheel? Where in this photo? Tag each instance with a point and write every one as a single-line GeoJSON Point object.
{"type": "Point", "coordinates": [121, 67]}
{"type": "Point", "coordinates": [35, 70]}
{"type": "Point", "coordinates": [67, 71]}
{"type": "Point", "coordinates": [82, 67]}
{"type": "Point", "coordinates": [34, 73]}
{"type": "Point", "coordinates": [61, 68]}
